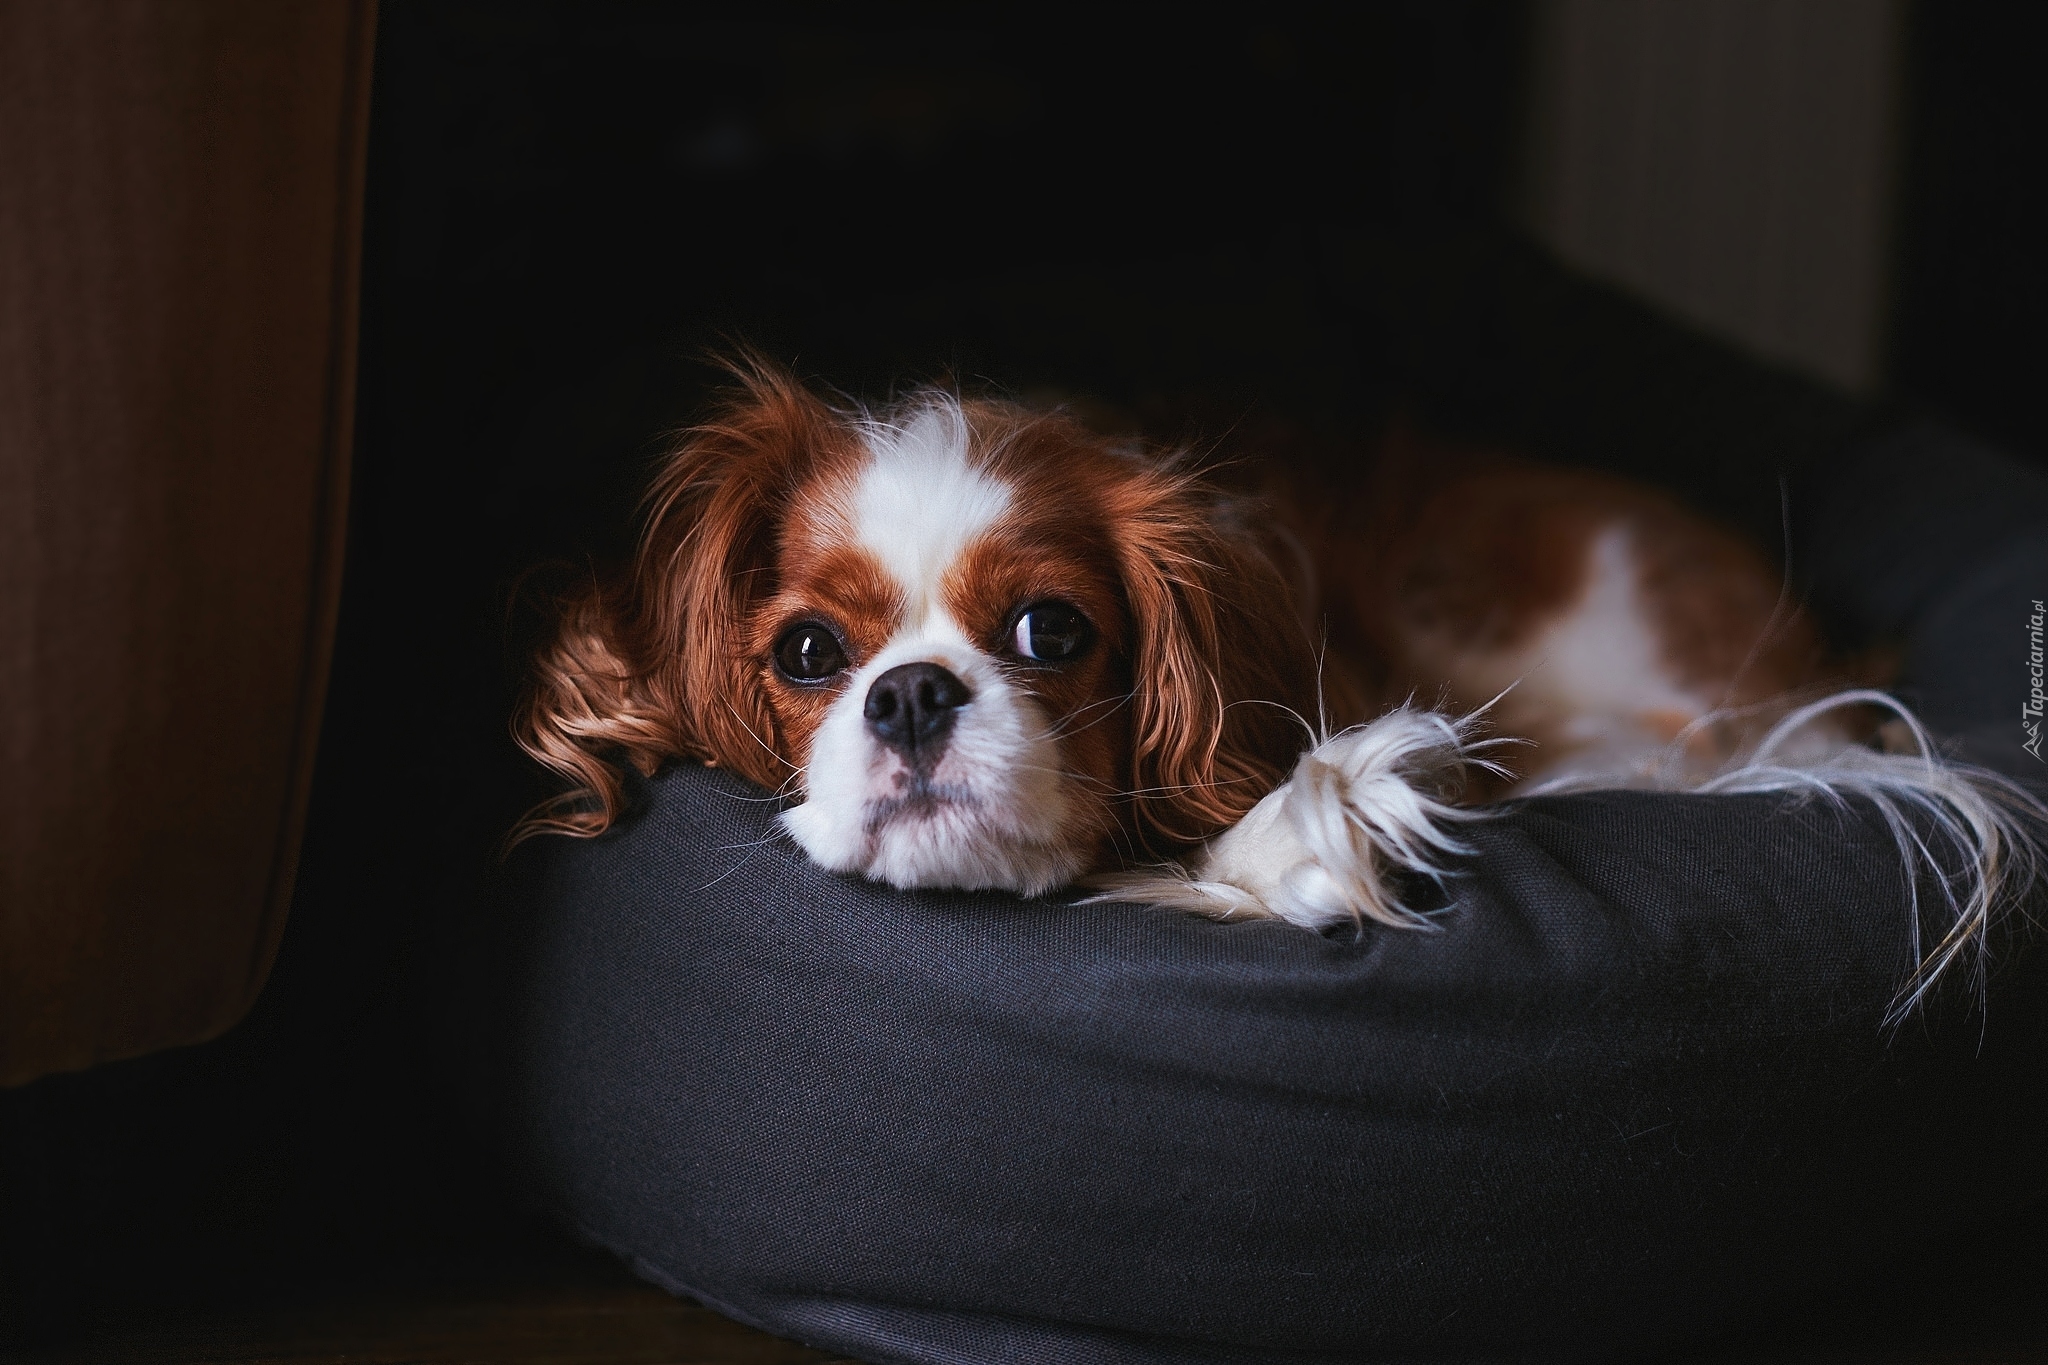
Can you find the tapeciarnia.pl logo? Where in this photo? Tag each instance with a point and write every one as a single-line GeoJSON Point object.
{"type": "Point", "coordinates": [2030, 714]}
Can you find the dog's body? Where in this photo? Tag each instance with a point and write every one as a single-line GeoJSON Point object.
{"type": "Point", "coordinates": [984, 646]}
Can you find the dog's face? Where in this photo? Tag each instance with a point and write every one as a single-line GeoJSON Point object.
{"type": "Point", "coordinates": [984, 646]}
{"type": "Point", "coordinates": [948, 649]}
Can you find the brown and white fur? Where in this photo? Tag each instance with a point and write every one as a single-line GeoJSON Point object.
{"type": "Point", "coordinates": [1235, 732]}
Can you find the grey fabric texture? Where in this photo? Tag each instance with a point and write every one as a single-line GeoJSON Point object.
{"type": "Point", "coordinates": [1636, 1083]}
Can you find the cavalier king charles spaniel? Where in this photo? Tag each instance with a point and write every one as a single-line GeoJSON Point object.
{"type": "Point", "coordinates": [978, 645]}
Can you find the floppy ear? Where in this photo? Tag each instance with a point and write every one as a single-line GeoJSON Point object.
{"type": "Point", "coordinates": [1223, 673]}
{"type": "Point", "coordinates": [656, 666]}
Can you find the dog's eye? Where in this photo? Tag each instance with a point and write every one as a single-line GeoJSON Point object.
{"type": "Point", "coordinates": [1051, 632]}
{"type": "Point", "coordinates": [809, 653]}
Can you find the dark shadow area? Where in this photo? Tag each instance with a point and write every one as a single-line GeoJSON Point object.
{"type": "Point", "coordinates": [1972, 278]}
{"type": "Point", "coordinates": [570, 205]}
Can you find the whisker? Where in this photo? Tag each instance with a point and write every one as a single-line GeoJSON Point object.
{"type": "Point", "coordinates": [778, 794]}
{"type": "Point", "coordinates": [757, 739]}
{"type": "Point", "coordinates": [749, 848]}
{"type": "Point", "coordinates": [1116, 704]}
{"type": "Point", "coordinates": [1187, 787]}
{"type": "Point", "coordinates": [1314, 736]}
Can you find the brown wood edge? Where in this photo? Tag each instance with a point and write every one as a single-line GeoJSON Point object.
{"type": "Point", "coordinates": [331, 523]}
{"type": "Point", "coordinates": [329, 549]}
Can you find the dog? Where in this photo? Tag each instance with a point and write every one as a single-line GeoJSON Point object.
{"type": "Point", "coordinates": [978, 644]}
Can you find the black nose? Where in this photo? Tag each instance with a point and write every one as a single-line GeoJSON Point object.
{"type": "Point", "coordinates": [911, 708]}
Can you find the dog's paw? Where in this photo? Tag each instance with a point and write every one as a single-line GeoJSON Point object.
{"type": "Point", "coordinates": [1363, 812]}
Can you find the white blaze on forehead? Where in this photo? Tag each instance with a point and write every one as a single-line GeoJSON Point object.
{"type": "Point", "coordinates": [920, 503]}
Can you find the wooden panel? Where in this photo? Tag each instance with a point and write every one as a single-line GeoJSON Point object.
{"type": "Point", "coordinates": [179, 224]}
{"type": "Point", "coordinates": [593, 1325]}
{"type": "Point", "coordinates": [603, 1319]}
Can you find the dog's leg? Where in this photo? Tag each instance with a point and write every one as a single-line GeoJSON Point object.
{"type": "Point", "coordinates": [1363, 810]}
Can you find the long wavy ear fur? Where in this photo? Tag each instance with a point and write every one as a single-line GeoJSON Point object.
{"type": "Point", "coordinates": [654, 666]}
{"type": "Point", "coordinates": [1224, 694]}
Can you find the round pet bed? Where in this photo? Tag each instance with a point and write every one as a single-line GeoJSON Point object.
{"type": "Point", "coordinates": [1638, 1084]}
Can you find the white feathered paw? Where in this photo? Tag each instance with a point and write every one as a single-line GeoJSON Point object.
{"type": "Point", "coordinates": [1332, 843]}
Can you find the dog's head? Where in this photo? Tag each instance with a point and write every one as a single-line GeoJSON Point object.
{"type": "Point", "coordinates": [983, 645]}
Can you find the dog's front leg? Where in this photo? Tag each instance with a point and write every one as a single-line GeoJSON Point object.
{"type": "Point", "coordinates": [1363, 811]}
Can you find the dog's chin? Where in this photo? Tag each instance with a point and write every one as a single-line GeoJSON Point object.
{"type": "Point", "coordinates": [934, 837]}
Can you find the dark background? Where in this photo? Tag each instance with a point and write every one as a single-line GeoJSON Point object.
{"type": "Point", "coordinates": [1971, 278]}
{"type": "Point", "coordinates": [569, 204]}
